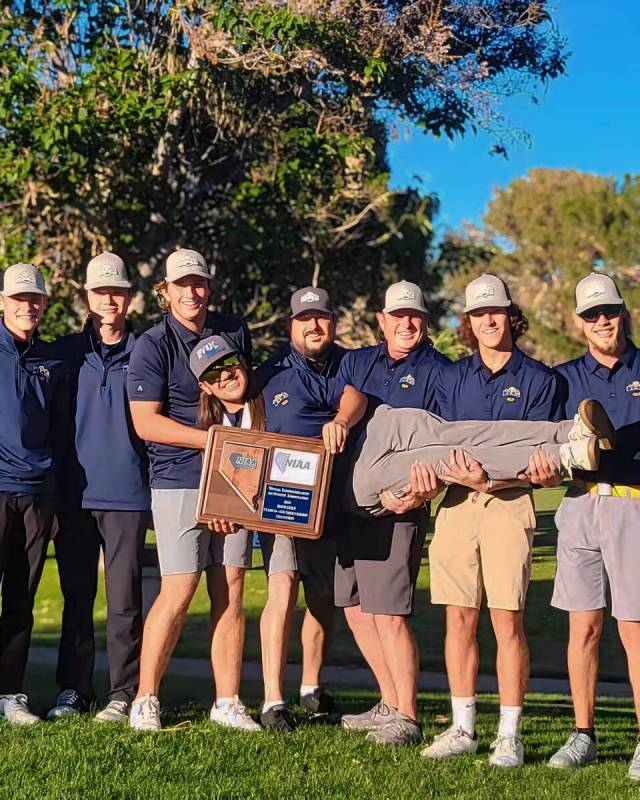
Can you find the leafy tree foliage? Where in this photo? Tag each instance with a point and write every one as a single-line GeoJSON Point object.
{"type": "Point", "coordinates": [542, 234]}
{"type": "Point", "coordinates": [255, 132]}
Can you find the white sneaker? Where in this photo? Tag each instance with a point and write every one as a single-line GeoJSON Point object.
{"type": "Point", "coordinates": [578, 751]}
{"type": "Point", "coordinates": [233, 715]}
{"type": "Point", "coordinates": [14, 708]}
{"type": "Point", "coordinates": [145, 714]}
{"type": "Point", "coordinates": [455, 741]}
{"type": "Point", "coordinates": [506, 751]}
{"type": "Point", "coordinates": [583, 454]}
{"type": "Point", "coordinates": [634, 767]}
{"type": "Point", "coordinates": [114, 711]}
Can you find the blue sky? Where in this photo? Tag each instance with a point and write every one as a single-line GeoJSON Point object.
{"type": "Point", "coordinates": [588, 119]}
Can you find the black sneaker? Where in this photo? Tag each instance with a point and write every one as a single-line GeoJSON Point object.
{"type": "Point", "coordinates": [278, 718]}
{"type": "Point", "coordinates": [68, 704]}
{"type": "Point", "coordinates": [320, 702]}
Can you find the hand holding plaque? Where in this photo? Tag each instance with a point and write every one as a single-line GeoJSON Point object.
{"type": "Point", "coordinates": [265, 481]}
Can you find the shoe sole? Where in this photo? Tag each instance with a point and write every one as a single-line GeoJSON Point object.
{"type": "Point", "coordinates": [561, 766]}
{"type": "Point", "coordinates": [597, 420]}
{"type": "Point", "coordinates": [594, 453]}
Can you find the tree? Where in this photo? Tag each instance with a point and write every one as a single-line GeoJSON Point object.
{"type": "Point", "coordinates": [544, 232]}
{"type": "Point", "coordinates": [253, 131]}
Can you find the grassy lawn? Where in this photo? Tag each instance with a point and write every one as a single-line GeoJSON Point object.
{"type": "Point", "coordinates": [80, 759]}
{"type": "Point", "coordinates": [547, 627]}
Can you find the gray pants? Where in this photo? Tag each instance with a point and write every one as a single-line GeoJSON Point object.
{"type": "Point", "coordinates": [397, 437]}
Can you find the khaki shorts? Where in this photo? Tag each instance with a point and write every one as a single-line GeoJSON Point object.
{"type": "Point", "coordinates": [482, 542]}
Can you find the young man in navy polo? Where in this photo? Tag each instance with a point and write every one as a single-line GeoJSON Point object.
{"type": "Point", "coordinates": [599, 519]}
{"type": "Point", "coordinates": [164, 398]}
{"type": "Point", "coordinates": [379, 558]}
{"type": "Point", "coordinates": [295, 394]}
{"type": "Point", "coordinates": [104, 502]}
{"type": "Point", "coordinates": [484, 529]}
{"type": "Point", "coordinates": [33, 397]}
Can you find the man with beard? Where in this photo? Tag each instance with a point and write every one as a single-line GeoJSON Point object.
{"type": "Point", "coordinates": [599, 519]}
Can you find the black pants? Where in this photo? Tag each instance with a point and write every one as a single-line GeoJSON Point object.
{"type": "Point", "coordinates": [121, 535]}
{"type": "Point", "coordinates": [25, 530]}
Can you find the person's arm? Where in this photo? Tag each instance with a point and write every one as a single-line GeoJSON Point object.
{"type": "Point", "coordinates": [153, 426]}
{"type": "Point", "coordinates": [351, 409]}
{"type": "Point", "coordinates": [466, 471]}
{"type": "Point", "coordinates": [424, 486]}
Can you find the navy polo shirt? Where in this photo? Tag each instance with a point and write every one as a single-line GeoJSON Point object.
{"type": "Point", "coordinates": [407, 382]}
{"type": "Point", "coordinates": [618, 389]}
{"type": "Point", "coordinates": [106, 466]}
{"type": "Point", "coordinates": [296, 393]}
{"type": "Point", "coordinates": [159, 371]}
{"type": "Point", "coordinates": [33, 414]}
{"type": "Point", "coordinates": [523, 389]}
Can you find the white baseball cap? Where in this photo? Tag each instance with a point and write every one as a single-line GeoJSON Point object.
{"type": "Point", "coordinates": [404, 295]}
{"type": "Point", "coordinates": [107, 269]}
{"type": "Point", "coordinates": [596, 290]}
{"type": "Point", "coordinates": [185, 262]}
{"type": "Point", "coordinates": [487, 291]}
{"type": "Point", "coordinates": [23, 279]}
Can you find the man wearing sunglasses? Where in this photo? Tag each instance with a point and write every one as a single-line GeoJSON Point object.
{"type": "Point", "coordinates": [599, 523]}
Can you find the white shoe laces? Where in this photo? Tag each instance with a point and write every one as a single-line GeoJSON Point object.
{"type": "Point", "coordinates": [149, 709]}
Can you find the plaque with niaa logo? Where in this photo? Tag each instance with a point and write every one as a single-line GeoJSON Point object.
{"type": "Point", "coordinates": [265, 481]}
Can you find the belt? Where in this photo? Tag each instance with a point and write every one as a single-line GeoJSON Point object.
{"type": "Point", "coordinates": [612, 490]}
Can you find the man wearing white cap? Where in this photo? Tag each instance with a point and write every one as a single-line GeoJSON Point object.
{"type": "Point", "coordinates": [164, 398]}
{"type": "Point", "coordinates": [484, 528]}
{"type": "Point", "coordinates": [104, 501]}
{"type": "Point", "coordinates": [379, 559]}
{"type": "Point", "coordinates": [33, 400]}
{"type": "Point", "coordinates": [599, 519]}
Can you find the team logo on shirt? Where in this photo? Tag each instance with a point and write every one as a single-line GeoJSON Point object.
{"type": "Point", "coordinates": [42, 371]}
{"type": "Point", "coordinates": [310, 297]}
{"type": "Point", "coordinates": [281, 399]}
{"type": "Point", "coordinates": [511, 394]}
{"type": "Point", "coordinates": [407, 381]}
{"type": "Point", "coordinates": [139, 389]}
{"type": "Point", "coordinates": [634, 388]}
{"type": "Point", "coordinates": [208, 349]}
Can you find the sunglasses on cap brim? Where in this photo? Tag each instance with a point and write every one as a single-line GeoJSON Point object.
{"type": "Point", "coordinates": [594, 314]}
{"type": "Point", "coordinates": [212, 374]}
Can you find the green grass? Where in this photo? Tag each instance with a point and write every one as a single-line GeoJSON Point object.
{"type": "Point", "coordinates": [546, 627]}
{"type": "Point", "coordinates": [192, 759]}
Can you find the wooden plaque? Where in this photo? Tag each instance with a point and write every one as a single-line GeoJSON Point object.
{"type": "Point", "coordinates": [265, 481]}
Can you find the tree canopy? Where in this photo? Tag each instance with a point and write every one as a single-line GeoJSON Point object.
{"type": "Point", "coordinates": [544, 232]}
{"type": "Point", "coordinates": [255, 132]}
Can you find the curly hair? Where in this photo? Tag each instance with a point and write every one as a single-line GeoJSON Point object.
{"type": "Point", "coordinates": [518, 323]}
{"type": "Point", "coordinates": [161, 300]}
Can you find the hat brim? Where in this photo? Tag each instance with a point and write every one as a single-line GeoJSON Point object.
{"type": "Point", "coordinates": [600, 302]}
{"type": "Point", "coordinates": [316, 310]}
{"type": "Point", "coordinates": [24, 291]}
{"type": "Point", "coordinates": [108, 282]}
{"type": "Point", "coordinates": [404, 307]}
{"type": "Point", "coordinates": [228, 354]}
{"type": "Point", "coordinates": [487, 304]}
{"type": "Point", "coordinates": [190, 271]}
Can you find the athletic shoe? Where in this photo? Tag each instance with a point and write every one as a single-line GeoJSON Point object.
{"type": "Point", "coordinates": [68, 704]}
{"type": "Point", "coordinates": [398, 731]}
{"type": "Point", "coordinates": [584, 454]}
{"type": "Point", "coordinates": [14, 708]}
{"type": "Point", "coordinates": [233, 715]}
{"type": "Point", "coordinates": [145, 714]}
{"type": "Point", "coordinates": [455, 741]}
{"type": "Point", "coordinates": [370, 720]}
{"type": "Point", "coordinates": [634, 767]}
{"type": "Point", "coordinates": [506, 751]}
{"type": "Point", "coordinates": [278, 718]}
{"type": "Point", "coordinates": [320, 702]}
{"type": "Point", "coordinates": [592, 419]}
{"type": "Point", "coordinates": [114, 711]}
{"type": "Point", "coordinates": [578, 751]}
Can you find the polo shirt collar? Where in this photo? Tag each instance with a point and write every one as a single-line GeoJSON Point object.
{"type": "Point", "coordinates": [627, 358]}
{"type": "Point", "coordinates": [513, 364]}
{"type": "Point", "coordinates": [410, 357]}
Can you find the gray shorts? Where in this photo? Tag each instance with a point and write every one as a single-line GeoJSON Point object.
{"type": "Point", "coordinates": [598, 546]}
{"type": "Point", "coordinates": [236, 550]}
{"type": "Point", "coordinates": [183, 545]}
{"type": "Point", "coordinates": [378, 563]}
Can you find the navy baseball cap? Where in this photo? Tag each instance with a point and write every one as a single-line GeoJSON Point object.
{"type": "Point", "coordinates": [211, 351]}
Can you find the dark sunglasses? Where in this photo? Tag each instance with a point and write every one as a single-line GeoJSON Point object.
{"type": "Point", "coordinates": [212, 374]}
{"type": "Point", "coordinates": [594, 314]}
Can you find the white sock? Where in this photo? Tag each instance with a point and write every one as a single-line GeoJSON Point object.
{"type": "Point", "coordinates": [226, 701]}
{"type": "Point", "coordinates": [509, 720]}
{"type": "Point", "coordinates": [307, 689]}
{"type": "Point", "coordinates": [268, 704]}
{"type": "Point", "coordinates": [464, 713]}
